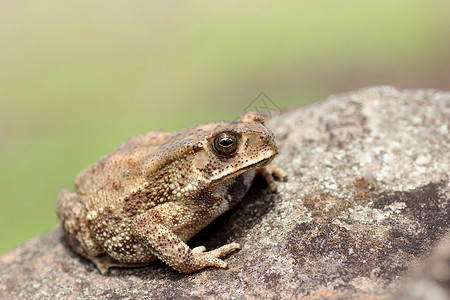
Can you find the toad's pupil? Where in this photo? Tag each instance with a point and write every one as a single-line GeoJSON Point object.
{"type": "Point", "coordinates": [226, 142]}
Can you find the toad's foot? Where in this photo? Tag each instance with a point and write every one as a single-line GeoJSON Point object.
{"type": "Point", "coordinates": [211, 258]}
{"type": "Point", "coordinates": [268, 172]}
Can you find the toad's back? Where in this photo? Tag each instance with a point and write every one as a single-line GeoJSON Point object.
{"type": "Point", "coordinates": [134, 165]}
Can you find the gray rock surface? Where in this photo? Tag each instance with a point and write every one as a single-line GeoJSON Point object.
{"type": "Point", "coordinates": [367, 200]}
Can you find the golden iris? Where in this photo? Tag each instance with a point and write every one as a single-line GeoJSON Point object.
{"type": "Point", "coordinates": [225, 143]}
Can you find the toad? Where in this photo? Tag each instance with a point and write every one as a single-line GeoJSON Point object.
{"type": "Point", "coordinates": [145, 199]}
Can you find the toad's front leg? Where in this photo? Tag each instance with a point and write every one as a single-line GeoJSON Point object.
{"type": "Point", "coordinates": [267, 173]}
{"type": "Point", "coordinates": [154, 229]}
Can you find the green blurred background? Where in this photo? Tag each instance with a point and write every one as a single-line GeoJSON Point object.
{"type": "Point", "coordinates": [79, 77]}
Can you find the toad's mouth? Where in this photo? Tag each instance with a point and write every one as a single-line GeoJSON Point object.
{"type": "Point", "coordinates": [233, 172]}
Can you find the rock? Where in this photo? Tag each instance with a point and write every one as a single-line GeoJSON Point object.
{"type": "Point", "coordinates": [367, 199]}
{"type": "Point", "coordinates": [432, 279]}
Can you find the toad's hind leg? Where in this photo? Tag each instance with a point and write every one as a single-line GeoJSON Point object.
{"type": "Point", "coordinates": [72, 215]}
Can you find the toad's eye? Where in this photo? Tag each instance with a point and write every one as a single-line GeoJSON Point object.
{"type": "Point", "coordinates": [225, 143]}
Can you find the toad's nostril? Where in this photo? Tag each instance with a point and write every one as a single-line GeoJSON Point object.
{"type": "Point", "coordinates": [265, 139]}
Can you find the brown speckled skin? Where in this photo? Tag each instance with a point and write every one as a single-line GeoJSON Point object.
{"type": "Point", "coordinates": [148, 197]}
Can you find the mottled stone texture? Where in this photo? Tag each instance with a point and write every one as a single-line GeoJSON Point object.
{"type": "Point", "coordinates": [365, 206]}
